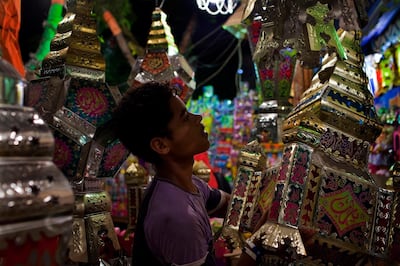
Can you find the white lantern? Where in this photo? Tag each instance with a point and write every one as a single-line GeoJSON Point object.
{"type": "Point", "coordinates": [215, 7]}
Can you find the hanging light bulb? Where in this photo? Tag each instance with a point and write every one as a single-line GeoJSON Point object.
{"type": "Point", "coordinates": [215, 7]}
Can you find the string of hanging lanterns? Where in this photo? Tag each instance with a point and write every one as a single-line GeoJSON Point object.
{"type": "Point", "coordinates": [217, 7]}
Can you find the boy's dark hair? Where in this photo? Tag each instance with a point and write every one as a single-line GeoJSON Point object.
{"type": "Point", "coordinates": [142, 114]}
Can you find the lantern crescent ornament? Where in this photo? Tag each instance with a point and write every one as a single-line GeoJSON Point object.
{"type": "Point", "coordinates": [215, 7]}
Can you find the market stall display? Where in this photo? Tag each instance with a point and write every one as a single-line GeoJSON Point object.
{"type": "Point", "coordinates": [326, 206]}
{"type": "Point", "coordinates": [305, 151]}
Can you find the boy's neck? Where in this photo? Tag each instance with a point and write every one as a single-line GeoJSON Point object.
{"type": "Point", "coordinates": [177, 173]}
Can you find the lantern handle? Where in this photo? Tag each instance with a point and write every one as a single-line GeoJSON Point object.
{"type": "Point", "coordinates": [161, 5]}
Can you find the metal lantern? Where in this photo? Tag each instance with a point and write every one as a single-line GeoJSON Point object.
{"type": "Point", "coordinates": [36, 200]}
{"type": "Point", "coordinates": [74, 99]}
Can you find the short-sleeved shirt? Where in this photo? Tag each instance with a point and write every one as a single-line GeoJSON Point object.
{"type": "Point", "coordinates": [176, 226]}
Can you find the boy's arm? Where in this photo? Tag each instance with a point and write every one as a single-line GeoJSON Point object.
{"type": "Point", "coordinates": [219, 209]}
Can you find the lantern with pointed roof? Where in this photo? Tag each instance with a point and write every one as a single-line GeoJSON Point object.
{"type": "Point", "coordinates": [74, 99]}
{"type": "Point", "coordinates": [162, 61]}
{"type": "Point", "coordinates": [325, 205]}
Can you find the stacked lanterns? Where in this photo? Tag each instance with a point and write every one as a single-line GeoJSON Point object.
{"type": "Point", "coordinates": [136, 179]}
{"type": "Point", "coordinates": [74, 99]}
{"type": "Point", "coordinates": [324, 206]}
{"type": "Point", "coordinates": [275, 68]}
{"type": "Point", "coordinates": [323, 189]}
{"type": "Point", "coordinates": [36, 200]}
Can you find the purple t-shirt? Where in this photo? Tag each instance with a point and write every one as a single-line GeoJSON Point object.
{"type": "Point", "coordinates": [177, 226]}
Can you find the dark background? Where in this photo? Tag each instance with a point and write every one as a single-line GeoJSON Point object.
{"type": "Point", "coordinates": [199, 36]}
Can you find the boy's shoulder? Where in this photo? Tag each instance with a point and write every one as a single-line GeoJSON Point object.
{"type": "Point", "coordinates": [166, 196]}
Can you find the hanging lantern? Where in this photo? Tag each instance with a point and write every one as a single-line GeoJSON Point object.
{"type": "Point", "coordinates": [73, 97]}
{"type": "Point", "coordinates": [162, 61]}
{"type": "Point", "coordinates": [217, 7]}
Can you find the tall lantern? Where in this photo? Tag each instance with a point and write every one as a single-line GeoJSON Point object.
{"type": "Point", "coordinates": [74, 99]}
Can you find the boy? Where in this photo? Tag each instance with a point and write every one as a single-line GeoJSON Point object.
{"type": "Point", "coordinates": [173, 225]}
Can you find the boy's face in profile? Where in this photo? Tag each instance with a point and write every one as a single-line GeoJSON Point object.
{"type": "Point", "coordinates": [188, 136]}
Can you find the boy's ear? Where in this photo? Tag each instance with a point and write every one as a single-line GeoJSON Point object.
{"type": "Point", "coordinates": [159, 145]}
